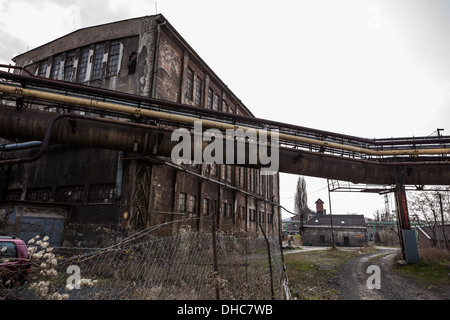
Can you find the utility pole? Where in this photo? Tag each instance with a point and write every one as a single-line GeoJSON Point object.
{"type": "Point", "coordinates": [442, 221]}
{"type": "Point", "coordinates": [331, 215]}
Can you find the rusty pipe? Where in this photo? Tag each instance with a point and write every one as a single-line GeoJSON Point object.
{"type": "Point", "coordinates": [150, 140]}
{"type": "Point", "coordinates": [90, 103]}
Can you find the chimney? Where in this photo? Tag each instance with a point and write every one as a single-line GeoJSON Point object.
{"type": "Point", "coordinates": [319, 207]}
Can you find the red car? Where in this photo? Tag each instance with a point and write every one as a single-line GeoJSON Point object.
{"type": "Point", "coordinates": [14, 261]}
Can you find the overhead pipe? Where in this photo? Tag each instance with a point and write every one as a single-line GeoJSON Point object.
{"type": "Point", "coordinates": [152, 140]}
{"type": "Point", "coordinates": [21, 92]}
{"type": "Point", "coordinates": [169, 105]}
{"type": "Point", "coordinates": [21, 146]}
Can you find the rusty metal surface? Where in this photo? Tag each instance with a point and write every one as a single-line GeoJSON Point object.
{"type": "Point", "coordinates": [29, 124]}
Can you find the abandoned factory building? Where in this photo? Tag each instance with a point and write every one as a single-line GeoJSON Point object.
{"type": "Point", "coordinates": [79, 191]}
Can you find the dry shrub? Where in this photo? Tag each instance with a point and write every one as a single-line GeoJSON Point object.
{"type": "Point", "coordinates": [434, 255]}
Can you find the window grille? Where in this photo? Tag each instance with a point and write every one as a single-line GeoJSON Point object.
{"type": "Point", "coordinates": [198, 91]}
{"type": "Point", "coordinates": [69, 67]}
{"type": "Point", "coordinates": [98, 61]}
{"type": "Point", "coordinates": [190, 84]}
{"type": "Point", "coordinates": [83, 65]}
{"type": "Point", "coordinates": [114, 54]}
{"type": "Point", "coordinates": [56, 66]}
{"type": "Point", "coordinates": [101, 193]}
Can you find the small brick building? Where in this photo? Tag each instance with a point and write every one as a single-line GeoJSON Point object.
{"type": "Point", "coordinates": [347, 230]}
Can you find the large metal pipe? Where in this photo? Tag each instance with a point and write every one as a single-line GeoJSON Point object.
{"type": "Point", "coordinates": [31, 124]}
{"type": "Point", "coordinates": [20, 92]}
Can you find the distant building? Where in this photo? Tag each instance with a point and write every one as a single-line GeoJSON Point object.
{"type": "Point", "coordinates": [347, 230]}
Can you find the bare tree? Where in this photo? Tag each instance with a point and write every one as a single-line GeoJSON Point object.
{"type": "Point", "coordinates": [431, 209]}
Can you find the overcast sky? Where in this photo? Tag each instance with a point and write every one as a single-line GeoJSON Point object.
{"type": "Point", "coordinates": [368, 68]}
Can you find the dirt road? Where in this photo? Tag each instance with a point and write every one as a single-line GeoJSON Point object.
{"type": "Point", "coordinates": [370, 277]}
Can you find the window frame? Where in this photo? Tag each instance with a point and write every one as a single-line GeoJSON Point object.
{"type": "Point", "coordinates": [190, 84]}
{"type": "Point", "coordinates": [97, 61]}
{"type": "Point", "coordinates": [113, 64]}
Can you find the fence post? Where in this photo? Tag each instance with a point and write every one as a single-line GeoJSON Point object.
{"type": "Point", "coordinates": [270, 260]}
{"type": "Point", "coordinates": [216, 267]}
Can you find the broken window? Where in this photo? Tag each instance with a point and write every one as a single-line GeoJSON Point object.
{"type": "Point", "coordinates": [190, 84]}
{"type": "Point", "coordinates": [98, 61]}
{"type": "Point", "coordinates": [132, 62]}
{"type": "Point", "coordinates": [114, 54]}
{"type": "Point", "coordinates": [83, 65]}
{"type": "Point", "coordinates": [69, 69]}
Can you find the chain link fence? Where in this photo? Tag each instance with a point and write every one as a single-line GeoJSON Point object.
{"type": "Point", "coordinates": [146, 266]}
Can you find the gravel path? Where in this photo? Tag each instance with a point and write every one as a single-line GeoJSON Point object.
{"type": "Point", "coordinates": [352, 280]}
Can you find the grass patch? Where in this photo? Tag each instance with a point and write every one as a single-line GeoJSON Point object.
{"type": "Point", "coordinates": [309, 272]}
{"type": "Point", "coordinates": [432, 270]}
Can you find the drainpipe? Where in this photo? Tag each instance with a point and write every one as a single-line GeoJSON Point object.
{"type": "Point", "coordinates": [21, 146]}
{"type": "Point", "coordinates": [119, 174]}
{"type": "Point", "coordinates": [155, 58]}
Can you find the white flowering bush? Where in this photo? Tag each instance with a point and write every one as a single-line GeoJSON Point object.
{"type": "Point", "coordinates": [46, 282]}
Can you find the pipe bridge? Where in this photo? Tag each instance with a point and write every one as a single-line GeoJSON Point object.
{"type": "Point", "coordinates": [56, 112]}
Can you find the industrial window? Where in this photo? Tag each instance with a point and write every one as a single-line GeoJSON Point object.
{"type": "Point", "coordinates": [216, 102]}
{"type": "Point", "coordinates": [56, 66]}
{"type": "Point", "coordinates": [224, 209]}
{"type": "Point", "coordinates": [43, 69]}
{"type": "Point", "coordinates": [191, 207]}
{"type": "Point", "coordinates": [114, 54]}
{"type": "Point", "coordinates": [198, 91]}
{"type": "Point", "coordinates": [190, 84]}
{"type": "Point", "coordinates": [241, 177]}
{"type": "Point", "coordinates": [252, 215]}
{"type": "Point", "coordinates": [182, 202]}
{"type": "Point", "coordinates": [243, 213]}
{"type": "Point", "coordinates": [69, 69]}
{"type": "Point", "coordinates": [225, 106]}
{"type": "Point", "coordinates": [205, 206]}
{"type": "Point", "coordinates": [209, 103]}
{"type": "Point", "coordinates": [223, 171]}
{"type": "Point", "coordinates": [262, 216]}
{"type": "Point", "coordinates": [101, 193]}
{"type": "Point", "coordinates": [38, 194]}
{"type": "Point", "coordinates": [69, 194]}
{"type": "Point", "coordinates": [229, 173]}
{"type": "Point", "coordinates": [83, 65]}
{"type": "Point", "coordinates": [230, 211]}
{"type": "Point", "coordinates": [14, 194]}
{"type": "Point", "coordinates": [98, 61]}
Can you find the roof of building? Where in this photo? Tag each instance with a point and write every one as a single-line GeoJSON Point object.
{"type": "Point", "coordinates": [112, 30]}
{"type": "Point", "coordinates": [339, 220]}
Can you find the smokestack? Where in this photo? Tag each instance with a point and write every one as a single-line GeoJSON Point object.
{"type": "Point", "coordinates": [319, 207]}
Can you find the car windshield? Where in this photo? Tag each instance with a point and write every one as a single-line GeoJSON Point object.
{"type": "Point", "coordinates": [8, 250]}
